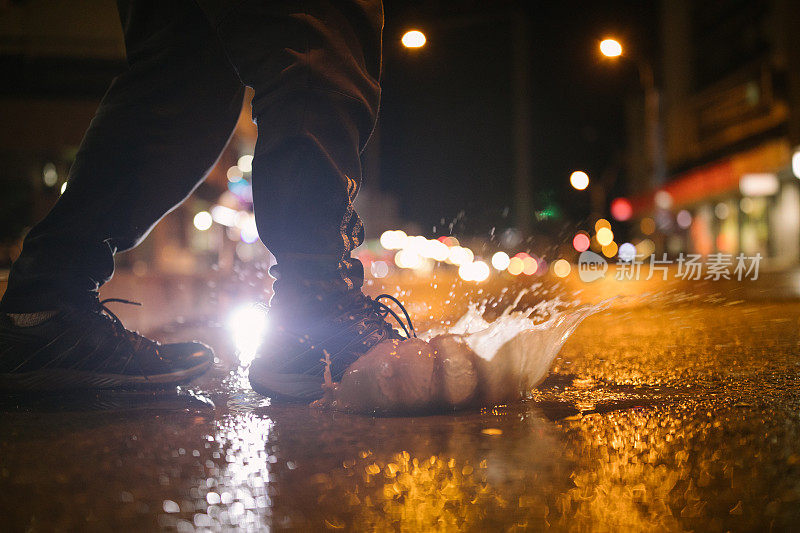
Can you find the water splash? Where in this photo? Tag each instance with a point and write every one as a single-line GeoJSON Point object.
{"type": "Point", "coordinates": [475, 362]}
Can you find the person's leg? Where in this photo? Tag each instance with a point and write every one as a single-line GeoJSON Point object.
{"type": "Point", "coordinates": [159, 129]}
{"type": "Point", "coordinates": [314, 66]}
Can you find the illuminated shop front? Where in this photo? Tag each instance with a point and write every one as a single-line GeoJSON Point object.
{"type": "Point", "coordinates": [747, 203]}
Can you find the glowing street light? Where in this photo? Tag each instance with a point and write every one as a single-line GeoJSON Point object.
{"type": "Point", "coordinates": [610, 48]}
{"type": "Point", "coordinates": [413, 39]}
{"type": "Point", "coordinates": [579, 179]}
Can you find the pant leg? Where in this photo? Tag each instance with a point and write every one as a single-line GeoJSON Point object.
{"type": "Point", "coordinates": [156, 134]}
{"type": "Point", "coordinates": [314, 66]}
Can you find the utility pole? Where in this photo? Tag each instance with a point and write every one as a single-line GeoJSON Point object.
{"type": "Point", "coordinates": [523, 206]}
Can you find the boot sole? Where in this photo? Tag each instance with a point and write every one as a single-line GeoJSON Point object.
{"type": "Point", "coordinates": [288, 388]}
{"type": "Point", "coordinates": [51, 379]}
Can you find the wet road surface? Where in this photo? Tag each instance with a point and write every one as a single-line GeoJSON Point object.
{"type": "Point", "coordinates": [673, 412]}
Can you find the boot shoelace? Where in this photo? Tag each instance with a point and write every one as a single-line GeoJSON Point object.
{"type": "Point", "coordinates": [133, 339]}
{"type": "Point", "coordinates": [384, 311]}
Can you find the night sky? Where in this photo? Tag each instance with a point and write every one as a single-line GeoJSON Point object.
{"type": "Point", "coordinates": [446, 124]}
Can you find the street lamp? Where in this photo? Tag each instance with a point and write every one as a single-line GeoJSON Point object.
{"type": "Point", "coordinates": [579, 180]}
{"type": "Point", "coordinates": [610, 48]}
{"type": "Point", "coordinates": [413, 39]}
{"type": "Point", "coordinates": [652, 120]}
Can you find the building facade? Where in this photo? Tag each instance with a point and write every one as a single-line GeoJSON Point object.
{"type": "Point", "coordinates": [729, 84]}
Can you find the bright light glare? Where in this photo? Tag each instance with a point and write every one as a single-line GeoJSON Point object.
{"type": "Point", "coordinates": [500, 260]}
{"type": "Point", "coordinates": [562, 268]}
{"type": "Point", "coordinates": [434, 249]}
{"type": "Point", "coordinates": [63, 187]}
{"type": "Point", "coordinates": [796, 164]}
{"type": "Point", "coordinates": [579, 179]}
{"type": "Point", "coordinates": [249, 231]}
{"type": "Point", "coordinates": [413, 39]}
{"type": "Point", "coordinates": [759, 184]}
{"type": "Point", "coordinates": [247, 324]}
{"type": "Point", "coordinates": [224, 215]}
{"type": "Point", "coordinates": [460, 256]}
{"type": "Point", "coordinates": [610, 48]}
{"type": "Point", "coordinates": [393, 239]}
{"type": "Point", "coordinates": [245, 163]}
{"type": "Point", "coordinates": [203, 220]}
{"type": "Point", "coordinates": [475, 271]}
{"type": "Point", "coordinates": [408, 259]}
{"type": "Point", "coordinates": [605, 236]}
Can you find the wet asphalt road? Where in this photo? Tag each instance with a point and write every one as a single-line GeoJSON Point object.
{"type": "Point", "coordinates": [678, 410]}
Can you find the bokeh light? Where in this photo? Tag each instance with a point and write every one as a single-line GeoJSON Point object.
{"type": "Point", "coordinates": [249, 231]}
{"type": "Point", "coordinates": [529, 266]}
{"type": "Point", "coordinates": [610, 48]}
{"type": "Point", "coordinates": [621, 209]}
{"type": "Point", "coordinates": [203, 220]}
{"type": "Point", "coordinates": [602, 223]}
{"type": "Point", "coordinates": [501, 261]}
{"type": "Point", "coordinates": [579, 180]}
{"type": "Point", "coordinates": [684, 219]}
{"type": "Point", "coordinates": [49, 175]}
{"type": "Point", "coordinates": [460, 255]}
{"type": "Point", "coordinates": [406, 258]}
{"type": "Point", "coordinates": [562, 268]}
{"type": "Point", "coordinates": [379, 269]}
{"type": "Point", "coordinates": [234, 174]}
{"type": "Point", "coordinates": [610, 249]}
{"type": "Point", "coordinates": [647, 225]}
{"type": "Point", "coordinates": [393, 239]}
{"type": "Point", "coordinates": [475, 271]}
{"type": "Point", "coordinates": [580, 242]}
{"type": "Point", "coordinates": [434, 249]}
{"type": "Point", "coordinates": [663, 200]}
{"type": "Point", "coordinates": [413, 39]}
{"type": "Point", "coordinates": [604, 236]}
{"type": "Point", "coordinates": [224, 215]}
{"type": "Point", "coordinates": [627, 252]}
{"type": "Point", "coordinates": [516, 266]}
{"type": "Point", "coordinates": [645, 248]}
{"type": "Point", "coordinates": [245, 163]}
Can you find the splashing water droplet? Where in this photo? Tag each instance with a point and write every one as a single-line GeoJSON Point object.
{"type": "Point", "coordinates": [472, 363]}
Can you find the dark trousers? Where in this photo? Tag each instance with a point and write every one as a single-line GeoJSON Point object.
{"type": "Point", "coordinates": [314, 66]}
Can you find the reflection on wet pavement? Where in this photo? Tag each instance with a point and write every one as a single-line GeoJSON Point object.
{"type": "Point", "coordinates": [665, 415]}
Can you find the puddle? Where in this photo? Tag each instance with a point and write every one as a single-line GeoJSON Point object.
{"type": "Point", "coordinates": [473, 363]}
